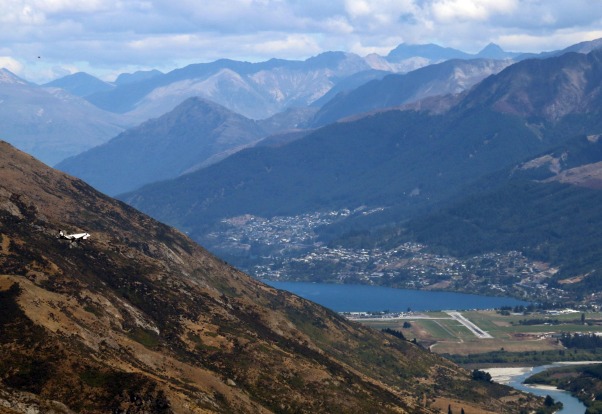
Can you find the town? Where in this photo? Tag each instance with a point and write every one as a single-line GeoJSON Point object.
{"type": "Point", "coordinates": [288, 248]}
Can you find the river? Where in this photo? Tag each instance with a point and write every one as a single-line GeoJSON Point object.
{"type": "Point", "coordinates": [367, 298]}
{"type": "Point", "coordinates": [515, 377]}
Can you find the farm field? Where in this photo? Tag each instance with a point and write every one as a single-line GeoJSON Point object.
{"type": "Point", "coordinates": [444, 335]}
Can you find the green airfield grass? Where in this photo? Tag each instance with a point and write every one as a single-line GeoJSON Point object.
{"type": "Point", "coordinates": [445, 335]}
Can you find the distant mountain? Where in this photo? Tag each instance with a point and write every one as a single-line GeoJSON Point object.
{"type": "Point", "coordinates": [138, 76]}
{"type": "Point", "coordinates": [260, 90]}
{"type": "Point", "coordinates": [255, 90]}
{"type": "Point", "coordinates": [493, 51]}
{"type": "Point", "coordinates": [547, 206]}
{"type": "Point", "coordinates": [450, 77]}
{"type": "Point", "coordinates": [582, 47]}
{"type": "Point", "coordinates": [164, 147]}
{"type": "Point", "coordinates": [556, 99]}
{"type": "Point", "coordinates": [406, 161]}
{"type": "Point", "coordinates": [394, 158]}
{"type": "Point", "coordinates": [406, 57]}
{"type": "Point", "coordinates": [140, 319]}
{"type": "Point", "coordinates": [432, 52]}
{"type": "Point", "coordinates": [80, 84]}
{"type": "Point", "coordinates": [51, 123]}
{"type": "Point", "coordinates": [350, 83]}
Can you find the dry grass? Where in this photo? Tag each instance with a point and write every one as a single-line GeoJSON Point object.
{"type": "Point", "coordinates": [442, 404]}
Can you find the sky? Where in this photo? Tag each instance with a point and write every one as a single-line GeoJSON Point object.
{"type": "Point", "coordinates": [41, 40]}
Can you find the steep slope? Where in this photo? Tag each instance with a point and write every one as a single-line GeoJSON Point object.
{"type": "Point", "coordinates": [50, 123]}
{"type": "Point", "coordinates": [450, 77]}
{"type": "Point", "coordinates": [548, 89]}
{"type": "Point", "coordinates": [163, 148]}
{"type": "Point", "coordinates": [140, 319]}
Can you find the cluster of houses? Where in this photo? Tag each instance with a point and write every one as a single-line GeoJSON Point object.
{"type": "Point", "coordinates": [288, 248]}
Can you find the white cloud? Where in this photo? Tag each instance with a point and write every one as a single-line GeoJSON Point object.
{"type": "Point", "coordinates": [104, 35]}
{"type": "Point", "coordinates": [465, 10]}
{"type": "Point", "coordinates": [17, 13]}
{"type": "Point", "coordinates": [292, 45]}
{"type": "Point", "coordinates": [338, 25]}
{"type": "Point", "coordinates": [11, 64]}
{"type": "Point", "coordinates": [529, 43]}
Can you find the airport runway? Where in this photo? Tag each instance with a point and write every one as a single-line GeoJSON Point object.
{"type": "Point", "coordinates": [471, 326]}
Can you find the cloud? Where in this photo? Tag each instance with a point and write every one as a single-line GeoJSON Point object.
{"type": "Point", "coordinates": [291, 44]}
{"type": "Point", "coordinates": [11, 64]}
{"type": "Point", "coordinates": [526, 42]}
{"type": "Point", "coordinates": [105, 35]}
{"type": "Point", "coordinates": [467, 10]}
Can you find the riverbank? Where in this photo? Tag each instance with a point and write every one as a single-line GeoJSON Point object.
{"type": "Point", "coordinates": [503, 375]}
{"type": "Point", "coordinates": [515, 376]}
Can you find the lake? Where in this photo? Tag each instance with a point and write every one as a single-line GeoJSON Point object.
{"type": "Point", "coordinates": [366, 298]}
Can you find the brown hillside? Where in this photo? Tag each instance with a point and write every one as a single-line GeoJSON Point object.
{"type": "Point", "coordinates": [139, 319]}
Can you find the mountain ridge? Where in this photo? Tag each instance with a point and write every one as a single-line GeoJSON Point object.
{"type": "Point", "coordinates": [163, 148]}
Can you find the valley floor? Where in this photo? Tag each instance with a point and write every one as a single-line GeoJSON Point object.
{"type": "Point", "coordinates": [512, 338]}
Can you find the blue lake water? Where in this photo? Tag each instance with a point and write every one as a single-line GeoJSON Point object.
{"type": "Point", "coordinates": [365, 298]}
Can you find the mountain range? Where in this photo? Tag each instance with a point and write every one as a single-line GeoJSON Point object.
{"type": "Point", "coordinates": [260, 90]}
{"type": "Point", "coordinates": [255, 90]}
{"type": "Point", "coordinates": [165, 155]}
{"type": "Point", "coordinates": [139, 319]}
{"type": "Point", "coordinates": [405, 161]}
